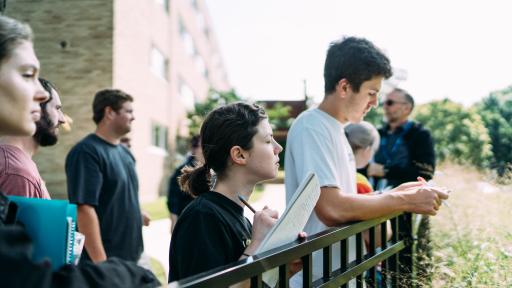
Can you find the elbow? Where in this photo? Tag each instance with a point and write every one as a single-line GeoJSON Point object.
{"type": "Point", "coordinates": [333, 217]}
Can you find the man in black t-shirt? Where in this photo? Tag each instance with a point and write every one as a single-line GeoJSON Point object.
{"type": "Point", "coordinates": [103, 182]}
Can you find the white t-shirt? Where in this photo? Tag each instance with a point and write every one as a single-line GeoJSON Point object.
{"type": "Point", "coordinates": [317, 143]}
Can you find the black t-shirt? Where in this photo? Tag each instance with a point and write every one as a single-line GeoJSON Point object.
{"type": "Point", "coordinates": [211, 232]}
{"type": "Point", "coordinates": [177, 200]}
{"type": "Point", "coordinates": [103, 175]}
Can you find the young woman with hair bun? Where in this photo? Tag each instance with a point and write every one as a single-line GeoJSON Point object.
{"type": "Point", "coordinates": [239, 149]}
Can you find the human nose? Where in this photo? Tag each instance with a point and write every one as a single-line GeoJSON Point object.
{"type": "Point", "coordinates": [277, 148]}
{"type": "Point", "coordinates": [62, 118]}
{"type": "Point", "coordinates": [40, 94]}
{"type": "Point", "coordinates": [374, 101]}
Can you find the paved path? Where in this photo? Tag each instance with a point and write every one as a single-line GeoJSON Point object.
{"type": "Point", "coordinates": [156, 241]}
{"type": "Point", "coordinates": [273, 196]}
{"type": "Point", "coordinates": [157, 236]}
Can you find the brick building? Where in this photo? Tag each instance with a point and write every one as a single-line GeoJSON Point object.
{"type": "Point", "coordinates": [162, 52]}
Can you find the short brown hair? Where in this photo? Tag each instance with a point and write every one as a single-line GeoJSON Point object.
{"type": "Point", "coordinates": [113, 98]}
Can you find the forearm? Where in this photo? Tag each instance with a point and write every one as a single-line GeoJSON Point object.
{"type": "Point", "coordinates": [88, 225]}
{"type": "Point", "coordinates": [335, 208]}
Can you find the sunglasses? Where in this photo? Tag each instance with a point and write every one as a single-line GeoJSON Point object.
{"type": "Point", "coordinates": [391, 102]}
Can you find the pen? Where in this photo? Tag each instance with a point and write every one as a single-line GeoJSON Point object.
{"type": "Point", "coordinates": [246, 203]}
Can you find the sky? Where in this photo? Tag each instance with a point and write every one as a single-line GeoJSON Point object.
{"type": "Point", "coordinates": [456, 49]}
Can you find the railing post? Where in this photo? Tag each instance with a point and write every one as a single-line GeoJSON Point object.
{"type": "Point", "coordinates": [384, 241]}
{"type": "Point", "coordinates": [257, 281]}
{"type": "Point", "coordinates": [283, 276]}
{"type": "Point", "coordinates": [327, 259]}
{"type": "Point", "coordinates": [307, 270]}
{"type": "Point", "coordinates": [405, 257]}
{"type": "Point", "coordinates": [344, 257]}
{"type": "Point", "coordinates": [359, 257]}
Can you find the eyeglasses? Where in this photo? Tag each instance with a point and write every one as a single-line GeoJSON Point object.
{"type": "Point", "coordinates": [391, 102]}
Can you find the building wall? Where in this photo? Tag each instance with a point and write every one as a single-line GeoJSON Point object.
{"type": "Point", "coordinates": [73, 40]}
{"type": "Point", "coordinates": [138, 27]}
{"type": "Point", "coordinates": [110, 44]}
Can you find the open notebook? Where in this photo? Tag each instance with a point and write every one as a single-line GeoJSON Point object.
{"type": "Point", "coordinates": [51, 224]}
{"type": "Point", "coordinates": [292, 222]}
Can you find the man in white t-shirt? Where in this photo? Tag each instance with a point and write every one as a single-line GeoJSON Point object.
{"type": "Point", "coordinates": [353, 73]}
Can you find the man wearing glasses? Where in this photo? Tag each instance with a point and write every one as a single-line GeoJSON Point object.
{"type": "Point", "coordinates": [406, 151]}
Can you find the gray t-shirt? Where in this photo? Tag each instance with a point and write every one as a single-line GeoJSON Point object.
{"type": "Point", "coordinates": [103, 175]}
{"type": "Point", "coordinates": [317, 143]}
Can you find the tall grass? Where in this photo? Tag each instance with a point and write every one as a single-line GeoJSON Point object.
{"type": "Point", "coordinates": [472, 235]}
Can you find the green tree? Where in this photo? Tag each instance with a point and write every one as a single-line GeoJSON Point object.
{"type": "Point", "coordinates": [279, 116]}
{"type": "Point", "coordinates": [215, 99]}
{"type": "Point", "coordinates": [496, 111]}
{"type": "Point", "coordinates": [375, 116]}
{"type": "Point", "coordinates": [459, 133]}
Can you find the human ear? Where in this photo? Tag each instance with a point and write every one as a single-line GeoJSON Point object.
{"type": "Point", "coordinates": [109, 112]}
{"type": "Point", "coordinates": [342, 87]}
{"type": "Point", "coordinates": [238, 155]}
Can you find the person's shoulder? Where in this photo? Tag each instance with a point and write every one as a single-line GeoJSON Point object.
{"type": "Point", "coordinates": [10, 153]}
{"type": "Point", "coordinates": [311, 120]}
{"type": "Point", "coordinates": [199, 206]}
{"type": "Point", "coordinates": [16, 162]}
{"type": "Point", "coordinates": [419, 129]}
{"type": "Point", "coordinates": [313, 114]}
{"type": "Point", "coordinates": [126, 151]}
{"type": "Point", "coordinates": [200, 209]}
{"type": "Point", "coordinates": [88, 147]}
{"type": "Point", "coordinates": [87, 143]}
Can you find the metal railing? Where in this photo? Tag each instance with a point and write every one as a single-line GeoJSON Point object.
{"type": "Point", "coordinates": [395, 258]}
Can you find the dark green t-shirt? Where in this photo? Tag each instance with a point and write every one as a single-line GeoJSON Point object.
{"type": "Point", "coordinates": [211, 232]}
{"type": "Point", "coordinates": [103, 175]}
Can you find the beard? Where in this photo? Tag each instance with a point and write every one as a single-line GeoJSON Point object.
{"type": "Point", "coordinates": [45, 132]}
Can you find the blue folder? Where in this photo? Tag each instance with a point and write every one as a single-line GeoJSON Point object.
{"type": "Point", "coordinates": [52, 225]}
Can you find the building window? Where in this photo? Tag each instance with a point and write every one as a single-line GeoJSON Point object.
{"type": "Point", "coordinates": [165, 4]}
{"type": "Point", "coordinates": [159, 136]}
{"type": "Point", "coordinates": [206, 32]}
{"type": "Point", "coordinates": [159, 63]}
{"type": "Point", "coordinates": [195, 4]}
{"type": "Point", "coordinates": [187, 96]}
{"type": "Point", "coordinates": [188, 42]}
{"type": "Point", "coordinates": [182, 28]}
{"type": "Point", "coordinates": [201, 66]}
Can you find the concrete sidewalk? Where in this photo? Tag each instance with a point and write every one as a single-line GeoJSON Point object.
{"type": "Point", "coordinates": [157, 237]}
{"type": "Point", "coordinates": [273, 197]}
